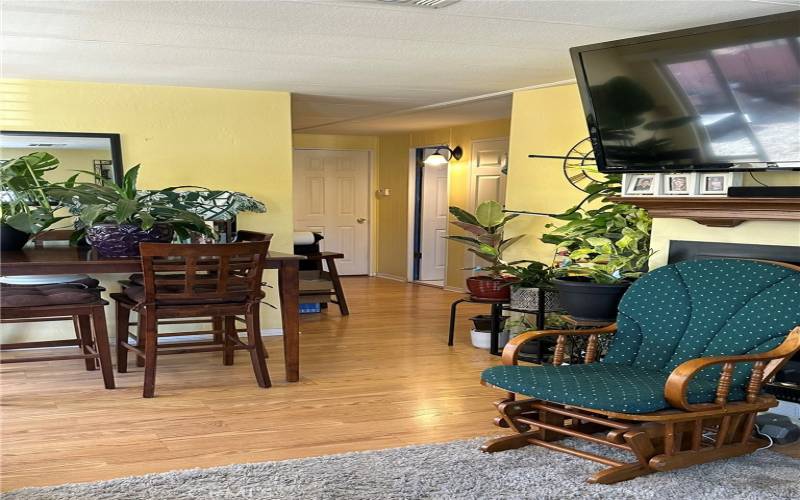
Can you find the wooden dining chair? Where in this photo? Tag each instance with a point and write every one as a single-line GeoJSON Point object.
{"type": "Point", "coordinates": [219, 326]}
{"type": "Point", "coordinates": [191, 281]}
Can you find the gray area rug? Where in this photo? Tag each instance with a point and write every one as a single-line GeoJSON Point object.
{"type": "Point", "coordinates": [454, 470]}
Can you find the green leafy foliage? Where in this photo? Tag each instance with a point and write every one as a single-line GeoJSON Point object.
{"type": "Point", "coordinates": [24, 204]}
{"type": "Point", "coordinates": [107, 203]}
{"type": "Point", "coordinates": [486, 228]}
{"type": "Point", "coordinates": [607, 245]}
{"type": "Point", "coordinates": [533, 275]}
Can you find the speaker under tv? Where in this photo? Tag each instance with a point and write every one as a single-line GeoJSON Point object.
{"type": "Point", "coordinates": [764, 192]}
{"type": "Point", "coordinates": [711, 98]}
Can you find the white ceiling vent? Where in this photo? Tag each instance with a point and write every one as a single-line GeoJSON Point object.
{"type": "Point", "coordinates": [427, 4]}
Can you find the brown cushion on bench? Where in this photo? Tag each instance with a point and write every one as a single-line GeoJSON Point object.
{"type": "Point", "coordinates": [47, 295]}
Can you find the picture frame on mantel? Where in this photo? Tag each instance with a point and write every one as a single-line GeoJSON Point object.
{"type": "Point", "coordinates": [648, 184]}
{"type": "Point", "coordinates": [680, 184]}
{"type": "Point", "coordinates": [717, 183]}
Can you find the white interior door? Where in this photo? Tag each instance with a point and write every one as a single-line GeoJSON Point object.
{"type": "Point", "coordinates": [433, 225]}
{"type": "Point", "coordinates": [487, 181]}
{"type": "Point", "coordinates": [331, 197]}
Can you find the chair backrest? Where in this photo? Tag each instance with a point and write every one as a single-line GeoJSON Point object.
{"type": "Point", "coordinates": [703, 308]}
{"type": "Point", "coordinates": [229, 272]}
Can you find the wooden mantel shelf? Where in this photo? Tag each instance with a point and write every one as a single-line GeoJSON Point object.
{"type": "Point", "coordinates": [716, 211]}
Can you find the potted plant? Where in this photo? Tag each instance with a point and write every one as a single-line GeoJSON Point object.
{"type": "Point", "coordinates": [115, 219]}
{"type": "Point", "coordinates": [599, 253]}
{"type": "Point", "coordinates": [486, 241]}
{"type": "Point", "coordinates": [25, 207]}
{"type": "Point", "coordinates": [532, 282]}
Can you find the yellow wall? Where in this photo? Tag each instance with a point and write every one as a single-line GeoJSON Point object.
{"type": "Point", "coordinates": [228, 139]}
{"type": "Point", "coordinates": [393, 172]}
{"type": "Point", "coordinates": [546, 121]}
{"type": "Point", "coordinates": [332, 141]}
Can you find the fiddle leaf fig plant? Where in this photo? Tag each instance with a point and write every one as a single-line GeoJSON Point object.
{"type": "Point", "coordinates": [608, 245]}
{"type": "Point", "coordinates": [486, 229]}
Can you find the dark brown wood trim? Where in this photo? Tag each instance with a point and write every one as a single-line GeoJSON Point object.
{"type": "Point", "coordinates": [716, 211]}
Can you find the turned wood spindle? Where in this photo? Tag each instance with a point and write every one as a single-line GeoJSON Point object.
{"type": "Point", "coordinates": [756, 377]}
{"type": "Point", "coordinates": [724, 386]}
{"type": "Point", "coordinates": [591, 349]}
{"type": "Point", "coordinates": [558, 356]}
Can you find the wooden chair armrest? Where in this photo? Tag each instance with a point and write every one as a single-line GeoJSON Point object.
{"type": "Point", "coordinates": [766, 364]}
{"type": "Point", "coordinates": [512, 348]}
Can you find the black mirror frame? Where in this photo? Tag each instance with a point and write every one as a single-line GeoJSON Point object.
{"type": "Point", "coordinates": [114, 140]}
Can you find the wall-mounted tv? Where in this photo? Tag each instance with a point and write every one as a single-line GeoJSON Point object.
{"type": "Point", "coordinates": [719, 97]}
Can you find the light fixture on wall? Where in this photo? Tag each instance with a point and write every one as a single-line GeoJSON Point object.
{"type": "Point", "coordinates": [442, 155]}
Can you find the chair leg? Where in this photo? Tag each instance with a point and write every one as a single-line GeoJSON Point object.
{"type": "Point", "coordinates": [217, 324]}
{"type": "Point", "coordinates": [83, 330]}
{"type": "Point", "coordinates": [150, 331]}
{"type": "Point", "coordinates": [257, 347]}
{"type": "Point", "coordinates": [230, 331]}
{"type": "Point", "coordinates": [140, 343]}
{"type": "Point", "coordinates": [453, 321]}
{"type": "Point", "coordinates": [101, 340]}
{"type": "Point", "coordinates": [123, 324]}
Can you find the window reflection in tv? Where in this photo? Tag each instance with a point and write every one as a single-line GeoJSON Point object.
{"type": "Point", "coordinates": [719, 97]}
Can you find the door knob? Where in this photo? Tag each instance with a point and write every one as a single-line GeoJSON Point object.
{"type": "Point", "coordinates": [361, 220]}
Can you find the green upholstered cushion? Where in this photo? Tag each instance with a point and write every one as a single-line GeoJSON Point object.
{"type": "Point", "coordinates": [602, 386]}
{"type": "Point", "coordinates": [671, 315]}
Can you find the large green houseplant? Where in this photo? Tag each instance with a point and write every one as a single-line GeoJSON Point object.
{"type": "Point", "coordinates": [485, 240]}
{"type": "Point", "coordinates": [116, 218]}
{"type": "Point", "coordinates": [599, 252]}
{"type": "Point", "coordinates": [25, 207]}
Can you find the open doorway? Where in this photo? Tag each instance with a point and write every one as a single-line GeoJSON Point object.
{"type": "Point", "coordinates": [429, 252]}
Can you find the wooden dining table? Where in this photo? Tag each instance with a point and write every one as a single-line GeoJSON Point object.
{"type": "Point", "coordinates": [79, 260]}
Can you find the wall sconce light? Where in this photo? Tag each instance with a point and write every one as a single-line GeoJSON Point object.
{"type": "Point", "coordinates": [442, 155]}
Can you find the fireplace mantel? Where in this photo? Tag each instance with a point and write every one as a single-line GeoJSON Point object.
{"type": "Point", "coordinates": [716, 211]}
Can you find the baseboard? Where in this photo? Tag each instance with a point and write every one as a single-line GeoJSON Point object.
{"type": "Point", "coordinates": [391, 277]}
{"type": "Point", "coordinates": [272, 332]}
{"type": "Point", "coordinates": [454, 289]}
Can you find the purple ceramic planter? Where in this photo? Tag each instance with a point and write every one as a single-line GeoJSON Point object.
{"type": "Point", "coordinates": [111, 240]}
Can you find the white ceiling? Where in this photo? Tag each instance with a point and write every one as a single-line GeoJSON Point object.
{"type": "Point", "coordinates": [353, 66]}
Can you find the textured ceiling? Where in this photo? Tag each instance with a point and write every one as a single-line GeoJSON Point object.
{"type": "Point", "coordinates": [353, 66]}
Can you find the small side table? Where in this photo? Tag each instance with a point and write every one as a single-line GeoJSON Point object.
{"type": "Point", "coordinates": [496, 312]}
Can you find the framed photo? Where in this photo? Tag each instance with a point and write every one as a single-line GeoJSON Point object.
{"type": "Point", "coordinates": [717, 183]}
{"type": "Point", "coordinates": [680, 183]}
{"type": "Point", "coordinates": [641, 184]}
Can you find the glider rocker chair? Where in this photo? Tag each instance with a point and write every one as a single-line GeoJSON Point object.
{"type": "Point", "coordinates": [681, 384]}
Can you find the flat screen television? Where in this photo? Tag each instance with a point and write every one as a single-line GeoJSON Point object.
{"type": "Point", "coordinates": [714, 98]}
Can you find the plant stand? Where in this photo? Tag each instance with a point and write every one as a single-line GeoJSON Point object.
{"type": "Point", "coordinates": [496, 312]}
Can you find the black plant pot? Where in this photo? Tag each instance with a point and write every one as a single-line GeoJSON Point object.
{"type": "Point", "coordinates": [111, 240]}
{"type": "Point", "coordinates": [12, 239]}
{"type": "Point", "coordinates": [483, 322]}
{"type": "Point", "coordinates": [585, 300]}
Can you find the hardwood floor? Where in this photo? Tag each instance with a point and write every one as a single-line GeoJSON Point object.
{"type": "Point", "coordinates": [382, 377]}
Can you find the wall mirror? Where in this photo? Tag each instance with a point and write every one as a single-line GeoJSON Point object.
{"type": "Point", "coordinates": [99, 153]}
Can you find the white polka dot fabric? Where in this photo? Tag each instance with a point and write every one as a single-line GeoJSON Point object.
{"type": "Point", "coordinates": [673, 314]}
